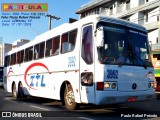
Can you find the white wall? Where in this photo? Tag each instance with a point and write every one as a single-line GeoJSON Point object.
{"type": "Point", "coordinates": [141, 2]}
{"type": "Point", "coordinates": [134, 18]}
{"type": "Point", "coordinates": [134, 3]}
{"type": "Point", "coordinates": [115, 8]}
{"type": "Point", "coordinates": [118, 7]}
{"type": "Point", "coordinates": [141, 18]}
{"type": "Point", "coordinates": [152, 15]}
{"type": "Point", "coordinates": [123, 7]}
{"type": "Point", "coordinates": [152, 36]}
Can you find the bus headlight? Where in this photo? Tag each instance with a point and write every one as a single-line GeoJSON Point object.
{"type": "Point", "coordinates": [110, 86]}
{"type": "Point", "coordinates": [107, 85]}
{"type": "Point", "coordinates": [113, 85]}
{"type": "Point", "coordinates": [150, 85]}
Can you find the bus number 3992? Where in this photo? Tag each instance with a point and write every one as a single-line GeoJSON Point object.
{"type": "Point", "coordinates": [112, 74]}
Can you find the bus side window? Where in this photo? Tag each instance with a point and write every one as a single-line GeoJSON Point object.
{"type": "Point", "coordinates": [30, 57]}
{"type": "Point", "coordinates": [64, 45]}
{"type": "Point", "coordinates": [18, 57]}
{"type": "Point", "coordinates": [36, 51]}
{"type": "Point", "coordinates": [9, 60]}
{"type": "Point", "coordinates": [55, 45]}
{"type": "Point", "coordinates": [87, 45]}
{"type": "Point", "coordinates": [72, 40]}
{"type": "Point", "coordinates": [41, 49]}
{"type": "Point", "coordinates": [68, 41]}
{"type": "Point", "coordinates": [26, 55]}
{"type": "Point", "coordinates": [13, 59]}
{"type": "Point", "coordinates": [48, 48]}
{"type": "Point", "coordinates": [29, 54]}
{"type": "Point", "coordinates": [22, 56]}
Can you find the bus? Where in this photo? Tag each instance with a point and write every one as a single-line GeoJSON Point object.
{"type": "Point", "coordinates": [96, 60]}
{"type": "Point", "coordinates": [1, 75]}
{"type": "Point", "coordinates": [156, 64]}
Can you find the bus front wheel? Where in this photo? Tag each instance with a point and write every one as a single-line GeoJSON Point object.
{"type": "Point", "coordinates": [69, 98]}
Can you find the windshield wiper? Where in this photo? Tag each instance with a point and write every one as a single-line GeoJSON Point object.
{"type": "Point", "coordinates": [143, 63]}
{"type": "Point", "coordinates": [133, 56]}
{"type": "Point", "coordinates": [124, 58]}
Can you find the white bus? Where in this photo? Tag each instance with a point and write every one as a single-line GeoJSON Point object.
{"type": "Point", "coordinates": [96, 60]}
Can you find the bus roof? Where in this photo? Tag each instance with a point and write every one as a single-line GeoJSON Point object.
{"type": "Point", "coordinates": [70, 26]}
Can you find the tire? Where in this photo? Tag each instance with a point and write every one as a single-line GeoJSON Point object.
{"type": "Point", "coordinates": [69, 98]}
{"type": "Point", "coordinates": [20, 91]}
{"type": "Point", "coordinates": [18, 94]}
{"type": "Point", "coordinates": [14, 92]}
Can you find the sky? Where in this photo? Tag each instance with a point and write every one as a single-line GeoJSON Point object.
{"type": "Point", "coordinates": [64, 9]}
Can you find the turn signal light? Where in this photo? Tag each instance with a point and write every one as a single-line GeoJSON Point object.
{"type": "Point", "coordinates": [100, 85]}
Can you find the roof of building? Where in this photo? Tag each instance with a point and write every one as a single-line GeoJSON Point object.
{"type": "Point", "coordinates": [90, 5]}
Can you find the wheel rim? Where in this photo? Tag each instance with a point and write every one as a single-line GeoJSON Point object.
{"type": "Point", "coordinates": [70, 97]}
{"type": "Point", "coordinates": [14, 91]}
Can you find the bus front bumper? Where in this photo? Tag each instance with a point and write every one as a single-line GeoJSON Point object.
{"type": "Point", "coordinates": [112, 97]}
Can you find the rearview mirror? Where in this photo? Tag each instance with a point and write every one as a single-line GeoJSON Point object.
{"type": "Point", "coordinates": [99, 35]}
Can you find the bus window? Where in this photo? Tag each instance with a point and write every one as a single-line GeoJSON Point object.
{"type": "Point", "coordinates": [11, 63]}
{"type": "Point", "coordinates": [41, 49]}
{"type": "Point", "coordinates": [36, 51]}
{"type": "Point", "coordinates": [18, 57]}
{"type": "Point", "coordinates": [13, 59]}
{"type": "Point", "coordinates": [30, 51]}
{"type": "Point", "coordinates": [29, 54]}
{"type": "Point", "coordinates": [55, 46]}
{"type": "Point", "coordinates": [22, 56]}
{"type": "Point", "coordinates": [87, 45]}
{"type": "Point", "coordinates": [72, 39]}
{"type": "Point", "coordinates": [48, 48]}
{"type": "Point", "coordinates": [64, 45]}
{"type": "Point", "coordinates": [68, 41]}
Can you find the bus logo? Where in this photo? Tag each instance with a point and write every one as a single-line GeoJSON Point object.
{"type": "Point", "coordinates": [134, 86]}
{"type": "Point", "coordinates": [10, 70]}
{"type": "Point", "coordinates": [35, 80]}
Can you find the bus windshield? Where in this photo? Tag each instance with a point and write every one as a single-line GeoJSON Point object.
{"type": "Point", "coordinates": [124, 46]}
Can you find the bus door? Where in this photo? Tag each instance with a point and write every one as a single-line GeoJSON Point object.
{"type": "Point", "coordinates": [87, 65]}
